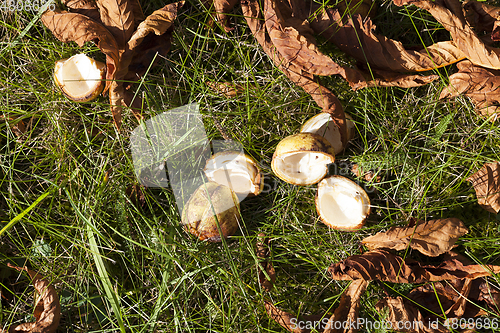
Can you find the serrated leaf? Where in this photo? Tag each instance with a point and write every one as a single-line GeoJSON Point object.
{"type": "Point", "coordinates": [482, 85]}
{"type": "Point", "coordinates": [451, 16]}
{"type": "Point", "coordinates": [431, 238]}
{"type": "Point", "coordinates": [47, 311]}
{"type": "Point", "coordinates": [385, 266]}
{"type": "Point", "coordinates": [118, 17]}
{"type": "Point", "coordinates": [356, 37]}
{"type": "Point", "coordinates": [486, 182]}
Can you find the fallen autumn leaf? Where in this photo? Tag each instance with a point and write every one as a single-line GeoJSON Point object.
{"type": "Point", "coordinates": [47, 310]}
{"type": "Point", "coordinates": [486, 182]}
{"type": "Point", "coordinates": [431, 238]}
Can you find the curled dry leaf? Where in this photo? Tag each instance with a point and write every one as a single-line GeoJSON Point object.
{"type": "Point", "coordinates": [403, 311]}
{"type": "Point", "coordinates": [346, 312]}
{"type": "Point", "coordinates": [480, 15]}
{"type": "Point", "coordinates": [322, 96]}
{"type": "Point", "coordinates": [294, 41]}
{"type": "Point", "coordinates": [431, 238]}
{"type": "Point", "coordinates": [47, 310]}
{"type": "Point", "coordinates": [267, 274]}
{"type": "Point", "coordinates": [451, 16]}
{"type": "Point", "coordinates": [385, 266]}
{"type": "Point", "coordinates": [486, 182]}
{"type": "Point", "coordinates": [348, 309]}
{"type": "Point", "coordinates": [480, 84]}
{"type": "Point", "coordinates": [356, 37]}
{"type": "Point", "coordinates": [456, 298]}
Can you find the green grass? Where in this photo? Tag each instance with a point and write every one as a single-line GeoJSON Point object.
{"type": "Point", "coordinates": [117, 267]}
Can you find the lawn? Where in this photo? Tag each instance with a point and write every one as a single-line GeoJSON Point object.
{"type": "Point", "coordinates": [66, 175]}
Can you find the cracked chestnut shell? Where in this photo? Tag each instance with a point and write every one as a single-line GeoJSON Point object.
{"type": "Point", "coordinates": [302, 159]}
{"type": "Point", "coordinates": [210, 204]}
{"type": "Point", "coordinates": [341, 203]}
{"type": "Point", "coordinates": [80, 78]}
{"type": "Point", "coordinates": [323, 124]}
{"type": "Point", "coordinates": [236, 170]}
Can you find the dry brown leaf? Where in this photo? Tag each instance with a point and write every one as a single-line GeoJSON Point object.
{"type": "Point", "coordinates": [457, 298]}
{"type": "Point", "coordinates": [346, 312]}
{"type": "Point", "coordinates": [450, 14]}
{"type": "Point", "coordinates": [480, 84]}
{"type": "Point", "coordinates": [294, 40]}
{"type": "Point", "coordinates": [490, 295]}
{"type": "Point", "coordinates": [403, 312]}
{"type": "Point", "coordinates": [385, 266]}
{"type": "Point", "coordinates": [322, 96]}
{"type": "Point", "coordinates": [84, 7]}
{"type": "Point", "coordinates": [344, 35]}
{"type": "Point", "coordinates": [454, 299]}
{"type": "Point", "coordinates": [393, 79]}
{"type": "Point", "coordinates": [356, 38]}
{"type": "Point", "coordinates": [262, 253]}
{"type": "Point", "coordinates": [348, 309]}
{"type": "Point", "coordinates": [118, 17]}
{"type": "Point", "coordinates": [431, 238]}
{"type": "Point", "coordinates": [480, 15]}
{"type": "Point", "coordinates": [158, 23]}
{"type": "Point", "coordinates": [47, 310]}
{"type": "Point", "coordinates": [486, 182]}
